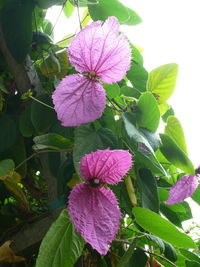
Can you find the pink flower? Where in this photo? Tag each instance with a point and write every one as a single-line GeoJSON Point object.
{"type": "Point", "coordinates": [98, 52]}
{"type": "Point", "coordinates": [182, 189]}
{"type": "Point", "coordinates": [94, 208]}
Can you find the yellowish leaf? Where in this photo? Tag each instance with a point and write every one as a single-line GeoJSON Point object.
{"type": "Point", "coordinates": [8, 255]}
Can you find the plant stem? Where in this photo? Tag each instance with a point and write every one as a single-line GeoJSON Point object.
{"type": "Point", "coordinates": [42, 103]}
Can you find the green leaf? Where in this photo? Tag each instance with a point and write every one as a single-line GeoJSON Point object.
{"type": "Point", "coordinates": [6, 168]}
{"type": "Point", "coordinates": [61, 245]}
{"type": "Point", "coordinates": [175, 131]}
{"type": "Point", "coordinates": [138, 259]}
{"type": "Point", "coordinates": [196, 195]}
{"type": "Point", "coordinates": [158, 241]}
{"type": "Point", "coordinates": [138, 76]}
{"type": "Point", "coordinates": [148, 114]}
{"type": "Point", "coordinates": [127, 256]}
{"type": "Point", "coordinates": [192, 264]}
{"type": "Point", "coordinates": [112, 90]}
{"type": "Point", "coordinates": [136, 136]}
{"type": "Point", "coordinates": [16, 18]}
{"type": "Point", "coordinates": [160, 227]}
{"type": "Point", "coordinates": [162, 81]}
{"type": "Point", "coordinates": [106, 8]}
{"type": "Point", "coordinates": [189, 255]}
{"type": "Point", "coordinates": [88, 139]}
{"type": "Point", "coordinates": [25, 125]}
{"type": "Point", "coordinates": [48, 3]}
{"type": "Point", "coordinates": [8, 133]}
{"type": "Point", "coordinates": [170, 252]}
{"type": "Point", "coordinates": [52, 141]}
{"type": "Point", "coordinates": [150, 199]}
{"type": "Point", "coordinates": [107, 120]}
{"type": "Point", "coordinates": [42, 117]}
{"type": "Point", "coordinates": [170, 215]}
{"type": "Point", "coordinates": [68, 9]}
{"type": "Point", "coordinates": [130, 91]}
{"type": "Point", "coordinates": [175, 155]}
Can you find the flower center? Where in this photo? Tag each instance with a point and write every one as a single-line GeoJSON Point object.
{"type": "Point", "coordinates": [94, 182]}
{"type": "Point", "coordinates": [92, 75]}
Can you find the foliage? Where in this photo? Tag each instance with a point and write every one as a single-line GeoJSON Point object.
{"type": "Point", "coordinates": [40, 158]}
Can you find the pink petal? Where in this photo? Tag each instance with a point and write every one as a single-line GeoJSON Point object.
{"type": "Point", "coordinates": [78, 100]}
{"type": "Point", "coordinates": [107, 165]}
{"type": "Point", "coordinates": [99, 48]}
{"type": "Point", "coordinates": [95, 214]}
{"type": "Point", "coordinates": [182, 189]}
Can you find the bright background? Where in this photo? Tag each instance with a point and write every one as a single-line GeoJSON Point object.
{"type": "Point", "coordinates": [169, 33]}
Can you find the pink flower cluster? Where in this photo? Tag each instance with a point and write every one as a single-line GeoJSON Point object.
{"type": "Point", "coordinates": [100, 54]}
{"type": "Point", "coordinates": [92, 207]}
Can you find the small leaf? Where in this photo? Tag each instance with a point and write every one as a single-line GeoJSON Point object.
{"type": "Point", "coordinates": [170, 252]}
{"type": "Point", "coordinates": [162, 81]}
{"type": "Point", "coordinates": [61, 245]}
{"type": "Point", "coordinates": [52, 141]}
{"type": "Point", "coordinates": [175, 155]}
{"type": "Point", "coordinates": [17, 192]}
{"type": "Point", "coordinates": [148, 114]}
{"type": "Point", "coordinates": [68, 9]}
{"type": "Point", "coordinates": [6, 168]}
{"type": "Point", "coordinates": [160, 227]}
{"type": "Point", "coordinates": [103, 9]}
{"type": "Point", "coordinates": [175, 131]}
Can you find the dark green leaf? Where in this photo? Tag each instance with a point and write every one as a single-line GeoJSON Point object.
{"type": "Point", "coordinates": [61, 245]}
{"type": "Point", "coordinates": [127, 256]}
{"type": "Point", "coordinates": [138, 76]}
{"type": "Point", "coordinates": [105, 8]}
{"type": "Point", "coordinates": [42, 117]}
{"type": "Point", "coordinates": [108, 121]}
{"type": "Point", "coordinates": [88, 139]}
{"type": "Point", "coordinates": [148, 185]}
{"type": "Point", "coordinates": [25, 125]}
{"type": "Point", "coordinates": [160, 227]}
{"type": "Point", "coordinates": [170, 252]}
{"type": "Point", "coordinates": [170, 215]}
{"type": "Point", "coordinates": [158, 241]}
{"type": "Point", "coordinates": [48, 3]}
{"type": "Point", "coordinates": [17, 27]}
{"type": "Point", "coordinates": [175, 155]}
{"type": "Point", "coordinates": [8, 133]}
{"type": "Point", "coordinates": [138, 259]}
{"type": "Point", "coordinates": [175, 131]}
{"type": "Point", "coordinates": [148, 114]}
{"type": "Point", "coordinates": [52, 141]}
{"type": "Point", "coordinates": [162, 81]}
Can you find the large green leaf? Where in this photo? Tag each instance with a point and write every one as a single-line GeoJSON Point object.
{"type": "Point", "coordinates": [189, 255]}
{"type": "Point", "coordinates": [52, 141]}
{"type": "Point", "coordinates": [61, 245]}
{"type": "Point", "coordinates": [160, 227]}
{"type": "Point", "coordinates": [148, 114]}
{"type": "Point", "coordinates": [175, 154]}
{"type": "Point", "coordinates": [196, 195]}
{"type": "Point", "coordinates": [150, 199]}
{"type": "Point", "coordinates": [16, 18]}
{"type": "Point", "coordinates": [6, 168]}
{"type": "Point", "coordinates": [112, 90]}
{"type": "Point", "coordinates": [8, 132]}
{"type": "Point", "coordinates": [25, 125]}
{"type": "Point", "coordinates": [162, 81]}
{"type": "Point", "coordinates": [42, 117]}
{"type": "Point", "coordinates": [175, 131]}
{"type": "Point", "coordinates": [105, 8]}
{"type": "Point", "coordinates": [88, 139]}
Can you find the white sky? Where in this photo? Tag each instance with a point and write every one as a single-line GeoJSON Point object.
{"type": "Point", "coordinates": [170, 32]}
